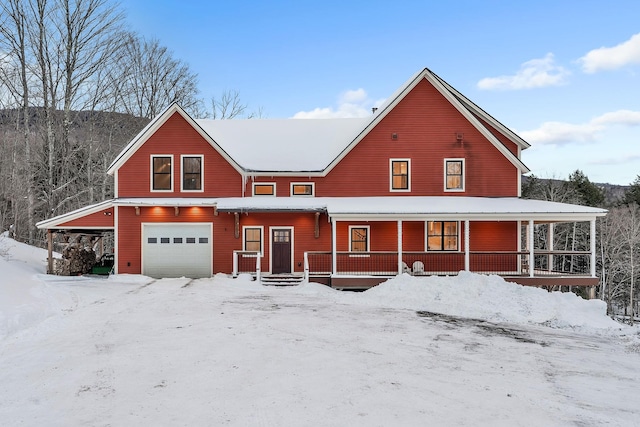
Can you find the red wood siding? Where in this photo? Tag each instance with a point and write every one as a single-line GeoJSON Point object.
{"type": "Point", "coordinates": [426, 125]}
{"type": "Point", "coordinates": [130, 230]}
{"type": "Point", "coordinates": [177, 137]}
{"type": "Point", "coordinates": [493, 236]}
{"type": "Point", "coordinates": [303, 234]}
{"type": "Point", "coordinates": [104, 218]}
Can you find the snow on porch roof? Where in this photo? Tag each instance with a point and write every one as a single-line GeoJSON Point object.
{"type": "Point", "coordinates": [416, 206]}
{"type": "Point", "coordinates": [297, 145]}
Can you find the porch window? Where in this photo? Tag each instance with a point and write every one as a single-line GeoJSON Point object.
{"type": "Point", "coordinates": [161, 173]}
{"type": "Point", "coordinates": [252, 239]}
{"type": "Point", "coordinates": [192, 173]}
{"type": "Point", "coordinates": [302, 189]}
{"type": "Point", "coordinates": [442, 236]}
{"type": "Point", "coordinates": [400, 174]}
{"type": "Point", "coordinates": [454, 174]}
{"type": "Point", "coordinates": [264, 189]}
{"type": "Point", "coordinates": [358, 238]}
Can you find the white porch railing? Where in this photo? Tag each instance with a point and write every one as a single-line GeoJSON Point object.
{"type": "Point", "coordinates": [246, 262]}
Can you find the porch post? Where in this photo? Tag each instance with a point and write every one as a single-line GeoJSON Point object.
{"type": "Point", "coordinates": [400, 269]}
{"type": "Point", "coordinates": [334, 262]}
{"type": "Point", "coordinates": [550, 246]}
{"type": "Point", "coordinates": [467, 262]}
{"type": "Point", "coordinates": [49, 252]}
{"type": "Point", "coordinates": [592, 244]}
{"type": "Point", "coordinates": [530, 243]}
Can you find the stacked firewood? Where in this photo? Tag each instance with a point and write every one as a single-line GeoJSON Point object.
{"type": "Point", "coordinates": [76, 259]}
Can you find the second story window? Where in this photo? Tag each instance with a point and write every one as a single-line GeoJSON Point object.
{"type": "Point", "coordinates": [302, 189]}
{"type": "Point", "coordinates": [454, 174]}
{"type": "Point", "coordinates": [264, 189]}
{"type": "Point", "coordinates": [400, 174]}
{"type": "Point", "coordinates": [161, 173]}
{"type": "Point", "coordinates": [192, 173]}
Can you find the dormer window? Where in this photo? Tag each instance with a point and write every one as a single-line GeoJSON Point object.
{"type": "Point", "coordinates": [454, 174]}
{"type": "Point", "coordinates": [161, 173]}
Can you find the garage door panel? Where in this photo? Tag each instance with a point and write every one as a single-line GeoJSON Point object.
{"type": "Point", "coordinates": [176, 250]}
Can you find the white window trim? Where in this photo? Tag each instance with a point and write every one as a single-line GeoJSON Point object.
{"type": "Point", "coordinates": [253, 189]}
{"type": "Point", "coordinates": [368, 227]}
{"type": "Point", "coordinates": [464, 175]}
{"type": "Point", "coordinates": [426, 236]}
{"type": "Point", "coordinates": [313, 189]}
{"type": "Point", "coordinates": [244, 238]}
{"type": "Point", "coordinates": [290, 228]}
{"type": "Point", "coordinates": [401, 190]}
{"type": "Point", "coordinates": [182, 156]}
{"type": "Point", "coordinates": [173, 168]}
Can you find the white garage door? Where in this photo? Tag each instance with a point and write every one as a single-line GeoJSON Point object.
{"type": "Point", "coordinates": [176, 250]}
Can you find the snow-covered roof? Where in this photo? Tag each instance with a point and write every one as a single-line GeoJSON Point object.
{"type": "Point", "coordinates": [295, 145]}
{"type": "Point", "coordinates": [315, 146]}
{"type": "Point", "coordinates": [369, 208]}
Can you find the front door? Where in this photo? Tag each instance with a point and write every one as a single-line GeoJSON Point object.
{"type": "Point", "coordinates": [281, 250]}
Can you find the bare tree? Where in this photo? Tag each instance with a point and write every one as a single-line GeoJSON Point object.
{"type": "Point", "coordinates": [153, 79]}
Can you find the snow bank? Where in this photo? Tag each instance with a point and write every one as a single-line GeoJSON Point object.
{"type": "Point", "coordinates": [493, 299]}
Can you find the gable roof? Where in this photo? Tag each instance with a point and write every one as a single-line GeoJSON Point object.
{"type": "Point", "coordinates": [313, 146]}
{"type": "Point", "coordinates": [153, 126]}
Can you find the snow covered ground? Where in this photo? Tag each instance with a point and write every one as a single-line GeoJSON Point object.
{"type": "Point", "coordinates": [469, 350]}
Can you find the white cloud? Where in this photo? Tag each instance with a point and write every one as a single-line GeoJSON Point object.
{"type": "Point", "coordinates": [536, 73]}
{"type": "Point", "coordinates": [616, 160]}
{"type": "Point", "coordinates": [352, 103]}
{"type": "Point", "coordinates": [611, 58]}
{"type": "Point", "coordinates": [560, 133]}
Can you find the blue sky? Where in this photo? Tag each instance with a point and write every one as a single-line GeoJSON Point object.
{"type": "Point", "coordinates": [564, 74]}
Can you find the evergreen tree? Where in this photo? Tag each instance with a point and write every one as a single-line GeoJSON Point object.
{"type": "Point", "coordinates": [590, 194]}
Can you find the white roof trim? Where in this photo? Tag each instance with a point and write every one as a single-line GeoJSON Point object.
{"type": "Point", "coordinates": [53, 223]}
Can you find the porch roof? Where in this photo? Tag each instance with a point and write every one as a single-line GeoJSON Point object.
{"type": "Point", "coordinates": [368, 208]}
{"type": "Point", "coordinates": [419, 207]}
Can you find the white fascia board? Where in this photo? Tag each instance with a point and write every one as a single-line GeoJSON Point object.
{"type": "Point", "coordinates": [54, 223]}
{"type": "Point", "coordinates": [541, 217]}
{"type": "Point", "coordinates": [154, 125]}
{"type": "Point", "coordinates": [166, 201]}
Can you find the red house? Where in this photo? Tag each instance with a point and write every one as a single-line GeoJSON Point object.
{"type": "Point", "coordinates": [428, 184]}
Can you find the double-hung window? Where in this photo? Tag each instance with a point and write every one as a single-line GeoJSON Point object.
{"type": "Point", "coordinates": [454, 174]}
{"type": "Point", "coordinates": [252, 239]}
{"type": "Point", "coordinates": [161, 173]}
{"type": "Point", "coordinates": [192, 166]}
{"type": "Point", "coordinates": [399, 174]}
{"type": "Point", "coordinates": [359, 238]}
{"type": "Point", "coordinates": [442, 235]}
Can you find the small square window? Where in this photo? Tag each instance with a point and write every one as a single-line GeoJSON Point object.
{"type": "Point", "coordinates": [191, 239]}
{"type": "Point", "coordinates": [164, 240]}
{"type": "Point", "coordinates": [177, 240]}
{"type": "Point", "coordinates": [152, 240]}
{"type": "Point", "coordinates": [203, 240]}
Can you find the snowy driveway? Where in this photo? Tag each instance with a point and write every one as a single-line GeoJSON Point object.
{"type": "Point", "coordinates": [221, 352]}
